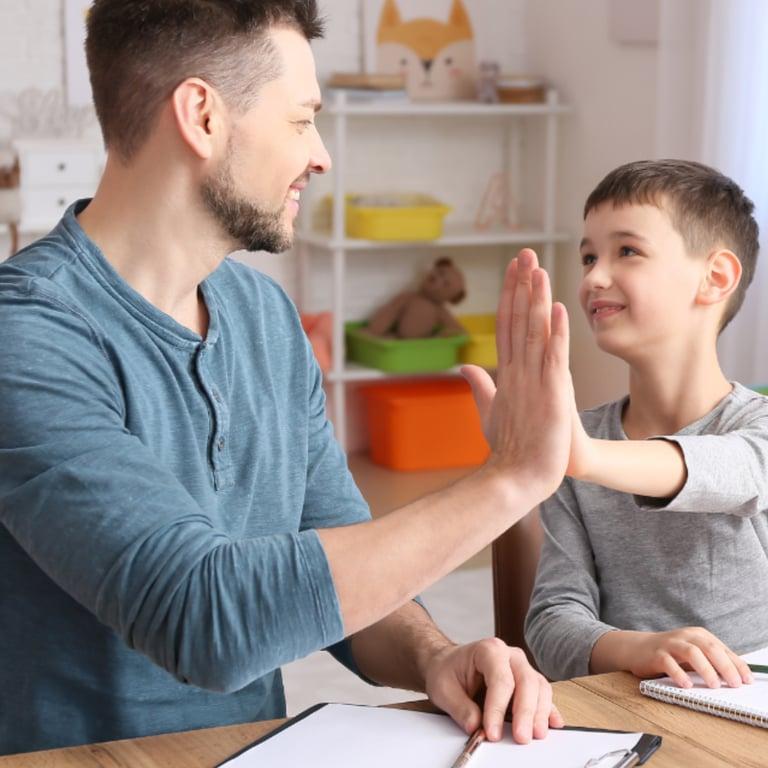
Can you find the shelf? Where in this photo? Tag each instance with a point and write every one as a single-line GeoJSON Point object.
{"type": "Point", "coordinates": [454, 236]}
{"type": "Point", "coordinates": [354, 372]}
{"type": "Point", "coordinates": [384, 108]}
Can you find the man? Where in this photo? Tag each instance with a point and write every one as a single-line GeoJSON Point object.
{"type": "Point", "coordinates": [171, 495]}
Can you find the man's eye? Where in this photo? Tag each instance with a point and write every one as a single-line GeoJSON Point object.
{"type": "Point", "coordinates": [304, 124]}
{"type": "Point", "coordinates": [625, 250]}
{"type": "Point", "coordinates": [587, 259]}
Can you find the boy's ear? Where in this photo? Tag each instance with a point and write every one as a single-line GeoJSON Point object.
{"type": "Point", "coordinates": [722, 275]}
{"type": "Point", "coordinates": [197, 111]}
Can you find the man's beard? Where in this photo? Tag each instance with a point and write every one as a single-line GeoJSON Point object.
{"type": "Point", "coordinates": [252, 227]}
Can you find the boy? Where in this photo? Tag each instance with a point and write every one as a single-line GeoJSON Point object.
{"type": "Point", "coordinates": [648, 541]}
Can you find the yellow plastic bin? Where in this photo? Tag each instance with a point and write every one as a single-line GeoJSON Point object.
{"type": "Point", "coordinates": [481, 347]}
{"type": "Point", "coordinates": [395, 217]}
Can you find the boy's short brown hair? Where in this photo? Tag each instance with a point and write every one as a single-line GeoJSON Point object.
{"type": "Point", "coordinates": [706, 207]}
{"type": "Point", "coordinates": [139, 51]}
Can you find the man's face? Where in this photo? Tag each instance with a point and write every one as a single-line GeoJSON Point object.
{"type": "Point", "coordinates": [274, 147]}
{"type": "Point", "coordinates": [639, 281]}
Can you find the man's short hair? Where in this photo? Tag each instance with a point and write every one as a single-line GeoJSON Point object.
{"type": "Point", "coordinates": [708, 209]}
{"type": "Point", "coordinates": [139, 51]}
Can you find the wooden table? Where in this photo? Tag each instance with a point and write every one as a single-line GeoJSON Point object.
{"type": "Point", "coordinates": [691, 739]}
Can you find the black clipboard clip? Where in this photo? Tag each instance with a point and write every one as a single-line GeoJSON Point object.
{"type": "Point", "coordinates": [646, 745]}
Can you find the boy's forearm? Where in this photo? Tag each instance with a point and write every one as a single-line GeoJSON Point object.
{"type": "Point", "coordinates": [653, 468]}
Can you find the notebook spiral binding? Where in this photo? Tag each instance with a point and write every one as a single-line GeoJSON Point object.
{"type": "Point", "coordinates": [683, 697]}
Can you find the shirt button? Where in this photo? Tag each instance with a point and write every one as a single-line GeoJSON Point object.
{"type": "Point", "coordinates": [216, 395]}
{"type": "Point", "coordinates": [220, 445]}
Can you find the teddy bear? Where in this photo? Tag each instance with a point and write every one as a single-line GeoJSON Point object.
{"type": "Point", "coordinates": [422, 313]}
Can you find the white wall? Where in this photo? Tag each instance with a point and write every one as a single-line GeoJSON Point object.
{"type": "Point", "coordinates": [611, 87]}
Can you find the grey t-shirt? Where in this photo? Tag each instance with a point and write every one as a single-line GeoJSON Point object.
{"type": "Point", "coordinates": [611, 560]}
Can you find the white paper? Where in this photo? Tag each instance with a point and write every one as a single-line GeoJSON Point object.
{"type": "Point", "coordinates": [348, 736]}
{"type": "Point", "coordinates": [757, 657]}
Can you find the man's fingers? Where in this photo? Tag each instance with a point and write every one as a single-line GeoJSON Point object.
{"type": "Point", "coordinates": [499, 689]}
{"type": "Point", "coordinates": [526, 263]}
{"type": "Point", "coordinates": [539, 320]}
{"type": "Point", "coordinates": [454, 701]}
{"type": "Point", "coordinates": [543, 710]}
{"type": "Point", "coordinates": [556, 720]}
{"type": "Point", "coordinates": [558, 349]}
{"type": "Point", "coordinates": [525, 704]}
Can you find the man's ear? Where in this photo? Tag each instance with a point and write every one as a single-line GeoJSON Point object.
{"type": "Point", "coordinates": [721, 278]}
{"type": "Point", "coordinates": [197, 110]}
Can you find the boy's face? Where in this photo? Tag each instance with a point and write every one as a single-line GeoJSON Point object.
{"type": "Point", "coordinates": [639, 281]}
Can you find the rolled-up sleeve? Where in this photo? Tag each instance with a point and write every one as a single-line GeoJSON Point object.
{"type": "Point", "coordinates": [212, 611]}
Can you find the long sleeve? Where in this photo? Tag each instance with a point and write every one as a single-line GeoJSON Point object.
{"type": "Point", "coordinates": [563, 621]}
{"type": "Point", "coordinates": [727, 473]}
{"type": "Point", "coordinates": [91, 504]}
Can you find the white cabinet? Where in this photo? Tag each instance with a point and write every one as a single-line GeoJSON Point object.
{"type": "Point", "coordinates": [543, 235]}
{"type": "Point", "coordinates": [54, 173]}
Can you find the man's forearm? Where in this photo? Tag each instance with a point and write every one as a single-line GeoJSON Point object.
{"type": "Point", "coordinates": [379, 566]}
{"type": "Point", "coordinates": [654, 468]}
{"type": "Point", "coordinates": [396, 650]}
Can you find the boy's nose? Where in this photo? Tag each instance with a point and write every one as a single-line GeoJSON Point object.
{"type": "Point", "coordinates": [597, 277]}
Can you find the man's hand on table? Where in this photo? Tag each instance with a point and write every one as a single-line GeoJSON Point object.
{"type": "Point", "coordinates": [456, 674]}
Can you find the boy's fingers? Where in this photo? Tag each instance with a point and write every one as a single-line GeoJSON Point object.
{"type": "Point", "coordinates": [722, 662]}
{"type": "Point", "coordinates": [504, 315]}
{"type": "Point", "coordinates": [483, 388]}
{"type": "Point", "coordinates": [701, 664]}
{"type": "Point", "coordinates": [741, 667]}
{"type": "Point", "coordinates": [672, 669]}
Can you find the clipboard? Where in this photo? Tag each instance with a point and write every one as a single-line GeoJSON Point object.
{"type": "Point", "coordinates": [341, 735]}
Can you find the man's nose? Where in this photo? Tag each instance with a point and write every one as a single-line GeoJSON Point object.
{"type": "Point", "coordinates": [320, 160]}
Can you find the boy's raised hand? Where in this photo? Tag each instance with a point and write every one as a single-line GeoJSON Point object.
{"type": "Point", "coordinates": [526, 415]}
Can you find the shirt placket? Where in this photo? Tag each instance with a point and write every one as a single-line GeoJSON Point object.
{"type": "Point", "coordinates": [219, 454]}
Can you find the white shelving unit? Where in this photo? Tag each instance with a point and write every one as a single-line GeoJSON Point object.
{"type": "Point", "coordinates": [344, 112]}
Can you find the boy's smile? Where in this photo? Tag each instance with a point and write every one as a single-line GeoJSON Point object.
{"type": "Point", "coordinates": [640, 283]}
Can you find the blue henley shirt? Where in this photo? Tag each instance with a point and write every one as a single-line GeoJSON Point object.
{"type": "Point", "coordinates": [159, 495]}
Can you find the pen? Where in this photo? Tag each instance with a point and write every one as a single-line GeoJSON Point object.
{"type": "Point", "coordinates": [758, 668]}
{"type": "Point", "coordinates": [472, 743]}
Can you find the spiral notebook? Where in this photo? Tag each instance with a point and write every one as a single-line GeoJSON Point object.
{"type": "Point", "coordinates": [746, 704]}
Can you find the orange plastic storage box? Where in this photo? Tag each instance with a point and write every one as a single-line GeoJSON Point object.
{"type": "Point", "coordinates": [424, 425]}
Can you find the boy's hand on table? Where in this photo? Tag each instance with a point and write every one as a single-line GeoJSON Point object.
{"type": "Point", "coordinates": [649, 654]}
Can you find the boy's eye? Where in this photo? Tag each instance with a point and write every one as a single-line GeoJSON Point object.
{"type": "Point", "coordinates": [626, 250]}
{"type": "Point", "coordinates": [587, 259]}
{"type": "Point", "coordinates": [303, 124]}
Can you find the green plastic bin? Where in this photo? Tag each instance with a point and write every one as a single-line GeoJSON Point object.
{"type": "Point", "coordinates": [402, 355]}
